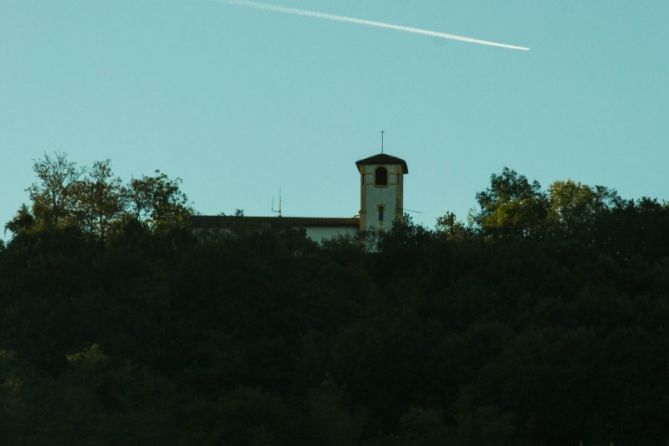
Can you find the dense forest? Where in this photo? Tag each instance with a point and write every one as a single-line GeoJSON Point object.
{"type": "Point", "coordinates": [541, 320]}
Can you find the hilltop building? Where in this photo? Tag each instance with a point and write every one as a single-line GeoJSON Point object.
{"type": "Point", "coordinates": [381, 204]}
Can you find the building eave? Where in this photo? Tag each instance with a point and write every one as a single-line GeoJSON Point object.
{"type": "Point", "coordinates": [223, 221]}
{"type": "Point", "coordinates": [381, 159]}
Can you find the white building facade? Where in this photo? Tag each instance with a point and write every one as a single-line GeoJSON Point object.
{"type": "Point", "coordinates": [381, 191]}
{"type": "Point", "coordinates": [381, 205]}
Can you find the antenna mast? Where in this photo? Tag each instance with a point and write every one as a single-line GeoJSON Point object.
{"type": "Point", "coordinates": [278, 211]}
{"type": "Point", "coordinates": [382, 133]}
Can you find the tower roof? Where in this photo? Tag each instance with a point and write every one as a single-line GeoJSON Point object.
{"type": "Point", "coordinates": [383, 158]}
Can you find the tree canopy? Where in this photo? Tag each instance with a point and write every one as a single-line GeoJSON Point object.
{"type": "Point", "coordinates": [95, 201]}
{"type": "Point", "coordinates": [541, 321]}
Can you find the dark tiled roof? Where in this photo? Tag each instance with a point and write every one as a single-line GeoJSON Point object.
{"type": "Point", "coordinates": [382, 158]}
{"type": "Point", "coordinates": [216, 221]}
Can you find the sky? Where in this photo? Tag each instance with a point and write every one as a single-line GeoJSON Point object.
{"type": "Point", "coordinates": [240, 102]}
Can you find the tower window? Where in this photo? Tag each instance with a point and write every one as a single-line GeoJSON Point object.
{"type": "Point", "coordinates": [381, 177]}
{"type": "Point", "coordinates": [381, 209]}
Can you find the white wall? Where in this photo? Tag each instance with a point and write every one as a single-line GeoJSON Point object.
{"type": "Point", "coordinates": [318, 234]}
{"type": "Point", "coordinates": [390, 197]}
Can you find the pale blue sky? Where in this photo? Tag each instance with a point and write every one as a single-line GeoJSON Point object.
{"type": "Point", "coordinates": [238, 102]}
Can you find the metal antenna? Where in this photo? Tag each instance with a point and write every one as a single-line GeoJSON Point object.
{"type": "Point", "coordinates": [278, 211]}
{"type": "Point", "coordinates": [382, 133]}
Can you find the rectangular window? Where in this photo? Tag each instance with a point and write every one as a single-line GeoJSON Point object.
{"type": "Point", "coordinates": [381, 213]}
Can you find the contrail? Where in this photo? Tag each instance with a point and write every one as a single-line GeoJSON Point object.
{"type": "Point", "coordinates": [363, 22]}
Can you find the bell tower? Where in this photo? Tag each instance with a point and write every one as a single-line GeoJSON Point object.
{"type": "Point", "coordinates": [381, 191]}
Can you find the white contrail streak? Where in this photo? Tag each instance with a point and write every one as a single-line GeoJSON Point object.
{"type": "Point", "coordinates": [363, 22]}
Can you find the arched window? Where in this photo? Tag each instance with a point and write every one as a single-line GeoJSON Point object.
{"type": "Point", "coordinates": [381, 177]}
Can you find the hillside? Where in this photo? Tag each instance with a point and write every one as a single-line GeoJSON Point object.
{"type": "Point", "coordinates": [542, 321]}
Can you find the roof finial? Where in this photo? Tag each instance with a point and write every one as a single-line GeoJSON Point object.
{"type": "Point", "coordinates": [382, 132]}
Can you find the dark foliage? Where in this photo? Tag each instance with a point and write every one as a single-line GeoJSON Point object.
{"type": "Point", "coordinates": [543, 325]}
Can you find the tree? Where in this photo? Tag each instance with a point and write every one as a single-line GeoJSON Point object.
{"type": "Point", "coordinates": [99, 199]}
{"type": "Point", "coordinates": [449, 225]}
{"type": "Point", "coordinates": [157, 200]}
{"type": "Point", "coordinates": [53, 195]}
{"type": "Point", "coordinates": [511, 206]}
{"type": "Point", "coordinates": [574, 207]}
{"type": "Point", "coordinates": [95, 201]}
{"type": "Point", "coordinates": [22, 221]}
